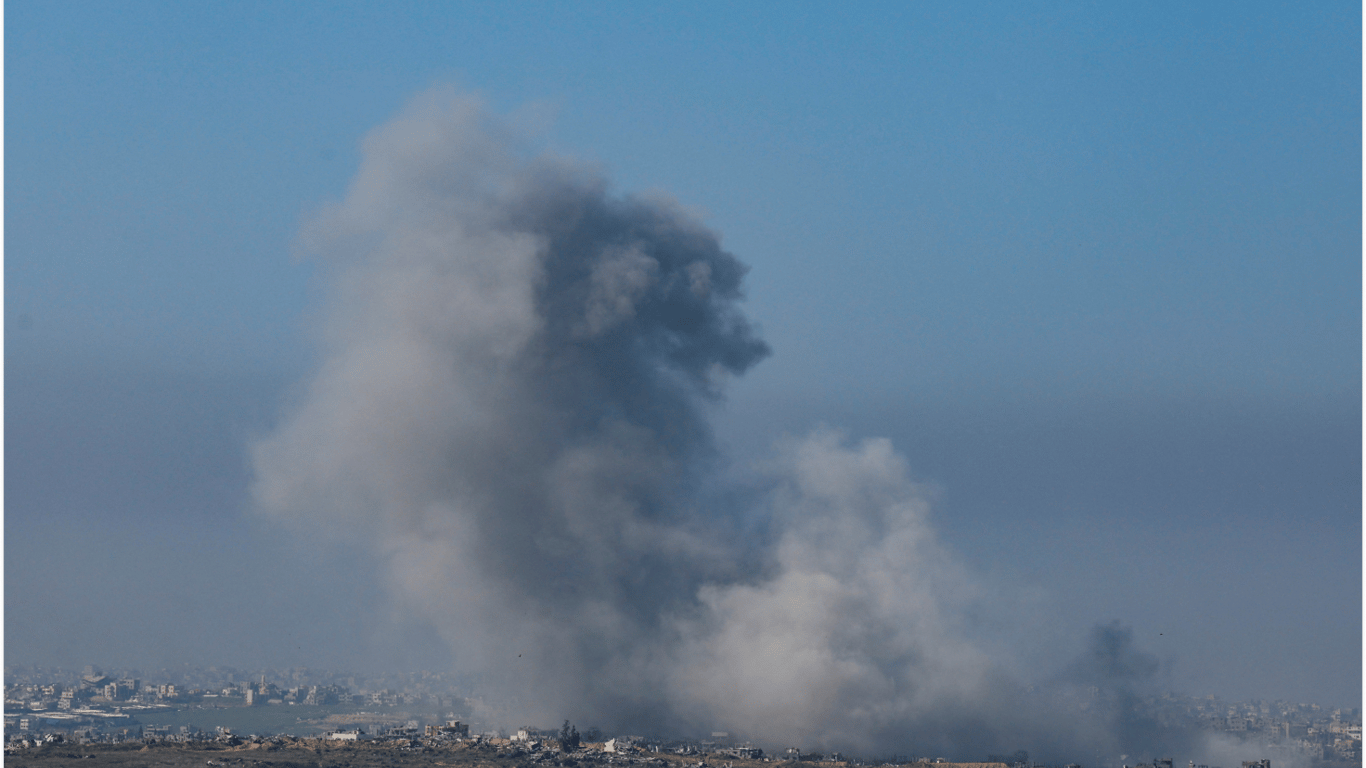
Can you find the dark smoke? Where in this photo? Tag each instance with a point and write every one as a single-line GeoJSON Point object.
{"type": "Point", "coordinates": [509, 409]}
{"type": "Point", "coordinates": [1112, 661]}
{"type": "Point", "coordinates": [509, 403]}
{"type": "Point", "coordinates": [1117, 673]}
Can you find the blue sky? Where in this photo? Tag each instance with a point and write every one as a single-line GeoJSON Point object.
{"type": "Point", "coordinates": [1094, 267]}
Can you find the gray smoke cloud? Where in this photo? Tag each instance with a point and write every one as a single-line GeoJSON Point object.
{"type": "Point", "coordinates": [510, 411]}
{"type": "Point", "coordinates": [1115, 672]}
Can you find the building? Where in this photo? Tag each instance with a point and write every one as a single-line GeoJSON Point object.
{"type": "Point", "coordinates": [451, 728]}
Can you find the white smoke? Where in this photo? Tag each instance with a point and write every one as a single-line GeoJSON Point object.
{"type": "Point", "coordinates": [508, 409]}
{"type": "Point", "coordinates": [846, 636]}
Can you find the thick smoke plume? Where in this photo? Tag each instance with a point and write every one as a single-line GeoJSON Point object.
{"type": "Point", "coordinates": [509, 409]}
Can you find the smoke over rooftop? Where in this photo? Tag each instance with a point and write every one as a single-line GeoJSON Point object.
{"type": "Point", "coordinates": [509, 408]}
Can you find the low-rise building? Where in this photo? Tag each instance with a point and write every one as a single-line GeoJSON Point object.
{"type": "Point", "coordinates": [451, 728]}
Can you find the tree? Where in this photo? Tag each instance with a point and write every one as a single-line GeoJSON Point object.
{"type": "Point", "coordinates": [569, 737]}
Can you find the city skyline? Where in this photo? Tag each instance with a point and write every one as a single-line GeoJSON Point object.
{"type": "Point", "coordinates": [223, 704]}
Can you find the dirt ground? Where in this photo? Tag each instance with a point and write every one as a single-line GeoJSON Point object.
{"type": "Point", "coordinates": [299, 755]}
{"type": "Point", "coordinates": [311, 753]}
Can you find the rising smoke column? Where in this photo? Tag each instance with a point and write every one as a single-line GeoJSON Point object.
{"type": "Point", "coordinates": [508, 409]}
{"type": "Point", "coordinates": [507, 404]}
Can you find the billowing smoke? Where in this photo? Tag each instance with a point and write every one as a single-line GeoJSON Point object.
{"type": "Point", "coordinates": [509, 409]}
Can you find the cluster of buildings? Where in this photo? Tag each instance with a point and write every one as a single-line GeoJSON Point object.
{"type": "Point", "coordinates": [56, 689]}
{"type": "Point", "coordinates": [43, 704]}
{"type": "Point", "coordinates": [1332, 735]}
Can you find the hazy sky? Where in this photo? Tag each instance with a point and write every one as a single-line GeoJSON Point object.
{"type": "Point", "coordinates": [1094, 268]}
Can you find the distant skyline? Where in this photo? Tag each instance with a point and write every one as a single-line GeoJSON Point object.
{"type": "Point", "coordinates": [1095, 270]}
